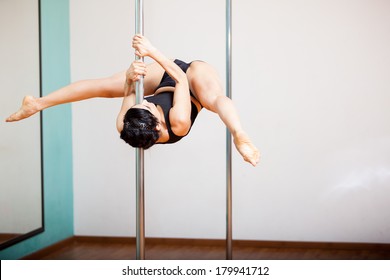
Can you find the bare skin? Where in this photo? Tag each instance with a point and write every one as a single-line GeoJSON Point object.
{"type": "Point", "coordinates": [29, 108]}
{"type": "Point", "coordinates": [201, 79]}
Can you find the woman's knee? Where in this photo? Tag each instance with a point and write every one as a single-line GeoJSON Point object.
{"type": "Point", "coordinates": [207, 92]}
{"type": "Point", "coordinates": [215, 102]}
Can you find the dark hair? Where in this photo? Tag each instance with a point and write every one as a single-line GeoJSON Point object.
{"type": "Point", "coordinates": [139, 128]}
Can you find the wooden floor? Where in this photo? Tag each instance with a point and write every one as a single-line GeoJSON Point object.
{"type": "Point", "coordinates": [123, 250]}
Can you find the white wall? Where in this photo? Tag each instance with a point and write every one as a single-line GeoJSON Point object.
{"type": "Point", "coordinates": [311, 84]}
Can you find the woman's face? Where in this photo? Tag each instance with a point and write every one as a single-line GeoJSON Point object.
{"type": "Point", "coordinates": [150, 107]}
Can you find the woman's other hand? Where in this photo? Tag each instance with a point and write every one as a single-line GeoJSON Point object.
{"type": "Point", "coordinates": [136, 69]}
{"type": "Point", "coordinates": [142, 46]}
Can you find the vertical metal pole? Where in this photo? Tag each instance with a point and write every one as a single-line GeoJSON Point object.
{"type": "Point", "coordinates": [229, 227]}
{"type": "Point", "coordinates": [139, 90]}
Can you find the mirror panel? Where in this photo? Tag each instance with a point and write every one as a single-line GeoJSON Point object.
{"type": "Point", "coordinates": [21, 186]}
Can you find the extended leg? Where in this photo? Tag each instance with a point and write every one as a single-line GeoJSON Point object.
{"type": "Point", "coordinates": [226, 110]}
{"type": "Point", "coordinates": [107, 87]}
{"type": "Point", "coordinates": [207, 87]}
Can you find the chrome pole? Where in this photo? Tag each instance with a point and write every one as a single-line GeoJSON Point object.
{"type": "Point", "coordinates": [139, 91]}
{"type": "Point", "coordinates": [229, 227]}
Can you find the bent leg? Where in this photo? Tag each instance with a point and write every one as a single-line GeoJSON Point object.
{"type": "Point", "coordinates": [207, 87]}
{"type": "Point", "coordinates": [107, 88]}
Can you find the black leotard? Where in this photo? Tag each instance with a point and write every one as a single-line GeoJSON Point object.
{"type": "Point", "coordinates": [165, 101]}
{"type": "Point", "coordinates": [167, 81]}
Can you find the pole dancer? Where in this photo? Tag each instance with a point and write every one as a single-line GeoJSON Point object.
{"type": "Point", "coordinates": [175, 92]}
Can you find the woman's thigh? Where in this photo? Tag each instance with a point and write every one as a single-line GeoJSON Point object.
{"type": "Point", "coordinates": [205, 83]}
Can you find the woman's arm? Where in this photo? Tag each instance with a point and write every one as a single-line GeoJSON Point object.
{"type": "Point", "coordinates": [180, 113]}
{"type": "Point", "coordinates": [136, 69]}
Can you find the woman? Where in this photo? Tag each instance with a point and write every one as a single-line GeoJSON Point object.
{"type": "Point", "coordinates": [174, 91]}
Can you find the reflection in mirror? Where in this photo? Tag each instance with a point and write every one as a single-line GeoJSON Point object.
{"type": "Point", "coordinates": [21, 201]}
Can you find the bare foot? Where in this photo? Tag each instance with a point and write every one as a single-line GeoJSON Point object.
{"type": "Point", "coordinates": [245, 147]}
{"type": "Point", "coordinates": [29, 107]}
